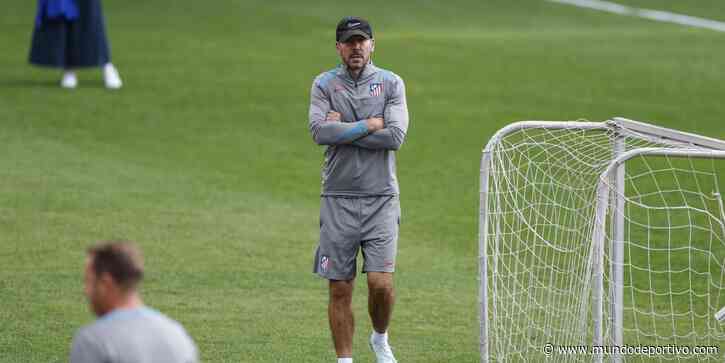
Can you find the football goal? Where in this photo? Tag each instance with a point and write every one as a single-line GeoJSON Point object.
{"type": "Point", "coordinates": [601, 241]}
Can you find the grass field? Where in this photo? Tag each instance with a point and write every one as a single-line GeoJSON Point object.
{"type": "Point", "coordinates": [205, 159]}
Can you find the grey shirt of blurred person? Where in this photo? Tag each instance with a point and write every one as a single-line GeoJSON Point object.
{"type": "Point", "coordinates": [126, 331]}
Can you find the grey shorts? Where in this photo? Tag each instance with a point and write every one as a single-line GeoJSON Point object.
{"type": "Point", "coordinates": [349, 224]}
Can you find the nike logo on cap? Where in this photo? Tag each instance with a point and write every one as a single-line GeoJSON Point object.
{"type": "Point", "coordinates": [350, 25]}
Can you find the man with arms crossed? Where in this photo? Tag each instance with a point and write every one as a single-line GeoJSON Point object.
{"type": "Point", "coordinates": [359, 111]}
{"type": "Point", "coordinates": [126, 331]}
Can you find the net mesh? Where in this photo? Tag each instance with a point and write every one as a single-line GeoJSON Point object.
{"type": "Point", "coordinates": [541, 214]}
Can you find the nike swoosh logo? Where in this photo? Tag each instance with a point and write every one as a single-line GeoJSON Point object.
{"type": "Point", "coordinates": [352, 25]}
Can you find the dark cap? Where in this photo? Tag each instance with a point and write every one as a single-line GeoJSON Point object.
{"type": "Point", "coordinates": [352, 25]}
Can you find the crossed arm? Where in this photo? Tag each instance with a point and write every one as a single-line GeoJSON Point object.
{"type": "Point", "coordinates": [387, 132]}
{"type": "Point", "coordinates": [332, 131]}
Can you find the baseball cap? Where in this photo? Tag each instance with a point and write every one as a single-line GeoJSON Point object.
{"type": "Point", "coordinates": [352, 25]}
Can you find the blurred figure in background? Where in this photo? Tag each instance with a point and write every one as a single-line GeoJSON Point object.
{"type": "Point", "coordinates": [126, 331]}
{"type": "Point", "coordinates": [71, 34]}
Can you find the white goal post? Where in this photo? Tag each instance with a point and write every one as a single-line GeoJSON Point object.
{"type": "Point", "coordinates": [600, 234]}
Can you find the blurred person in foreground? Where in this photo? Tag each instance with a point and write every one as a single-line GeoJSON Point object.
{"type": "Point", "coordinates": [71, 34]}
{"type": "Point", "coordinates": [359, 112]}
{"type": "Point", "coordinates": [126, 331]}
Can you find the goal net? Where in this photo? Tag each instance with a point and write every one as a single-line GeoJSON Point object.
{"type": "Point", "coordinates": [607, 235]}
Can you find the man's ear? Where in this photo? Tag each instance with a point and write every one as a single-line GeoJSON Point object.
{"type": "Point", "coordinates": [372, 47]}
{"type": "Point", "coordinates": [338, 46]}
{"type": "Point", "coordinates": [106, 281]}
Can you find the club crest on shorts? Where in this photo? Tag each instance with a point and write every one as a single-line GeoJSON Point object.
{"type": "Point", "coordinates": [376, 89]}
{"type": "Point", "coordinates": [324, 263]}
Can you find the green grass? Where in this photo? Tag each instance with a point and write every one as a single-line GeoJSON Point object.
{"type": "Point", "coordinates": [204, 158]}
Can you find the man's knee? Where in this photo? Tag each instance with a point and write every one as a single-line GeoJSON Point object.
{"type": "Point", "coordinates": [380, 283]}
{"type": "Point", "coordinates": [341, 291]}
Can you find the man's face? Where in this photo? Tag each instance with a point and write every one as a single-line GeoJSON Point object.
{"type": "Point", "coordinates": [97, 289]}
{"type": "Point", "coordinates": [355, 53]}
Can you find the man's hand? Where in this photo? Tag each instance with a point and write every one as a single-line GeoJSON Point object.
{"type": "Point", "coordinates": [332, 116]}
{"type": "Point", "coordinates": [375, 124]}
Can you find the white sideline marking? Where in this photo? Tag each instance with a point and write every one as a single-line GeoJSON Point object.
{"type": "Point", "coordinates": [657, 15]}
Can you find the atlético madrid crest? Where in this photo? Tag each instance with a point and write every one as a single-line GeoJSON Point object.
{"type": "Point", "coordinates": [376, 89]}
{"type": "Point", "coordinates": [324, 263]}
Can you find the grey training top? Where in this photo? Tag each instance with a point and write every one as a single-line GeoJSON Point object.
{"type": "Point", "coordinates": [359, 163]}
{"type": "Point", "coordinates": [139, 335]}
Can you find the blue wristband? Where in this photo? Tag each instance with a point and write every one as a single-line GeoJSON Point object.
{"type": "Point", "coordinates": [360, 129]}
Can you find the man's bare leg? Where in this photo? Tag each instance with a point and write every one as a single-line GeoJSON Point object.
{"type": "Point", "coordinates": [381, 298]}
{"type": "Point", "coordinates": [342, 321]}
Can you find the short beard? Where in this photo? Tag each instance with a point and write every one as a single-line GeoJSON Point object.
{"type": "Point", "coordinates": [352, 66]}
